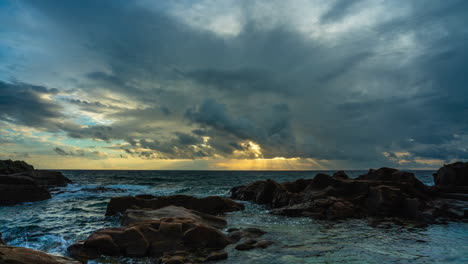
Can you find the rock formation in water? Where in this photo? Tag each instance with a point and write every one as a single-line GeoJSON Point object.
{"type": "Point", "coordinates": [210, 205]}
{"type": "Point", "coordinates": [169, 229]}
{"type": "Point", "coordinates": [381, 193]}
{"type": "Point", "coordinates": [19, 255]}
{"type": "Point", "coordinates": [20, 182]}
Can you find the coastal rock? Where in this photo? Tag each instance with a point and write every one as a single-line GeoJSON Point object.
{"type": "Point", "coordinates": [20, 189]}
{"type": "Point", "coordinates": [453, 175]}
{"type": "Point", "coordinates": [12, 167]}
{"type": "Point", "coordinates": [384, 192]}
{"type": "Point", "coordinates": [253, 244]}
{"type": "Point", "coordinates": [1, 240]}
{"type": "Point", "coordinates": [209, 205]}
{"type": "Point", "coordinates": [19, 255]}
{"type": "Point", "coordinates": [154, 238]}
{"type": "Point", "coordinates": [43, 178]}
{"type": "Point", "coordinates": [20, 182]}
{"type": "Point", "coordinates": [236, 234]}
{"type": "Point", "coordinates": [132, 216]}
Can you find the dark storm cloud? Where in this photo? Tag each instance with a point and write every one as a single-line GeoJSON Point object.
{"type": "Point", "coordinates": [326, 90]}
{"type": "Point", "coordinates": [242, 81]}
{"type": "Point", "coordinates": [78, 152]}
{"type": "Point", "coordinates": [22, 103]}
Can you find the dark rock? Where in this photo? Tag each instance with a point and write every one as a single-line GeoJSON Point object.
{"type": "Point", "coordinates": [252, 244]}
{"type": "Point", "coordinates": [20, 189]}
{"type": "Point", "coordinates": [452, 175]}
{"type": "Point", "coordinates": [1, 240]}
{"type": "Point", "coordinates": [210, 205]}
{"type": "Point", "coordinates": [12, 167]}
{"type": "Point", "coordinates": [251, 232]}
{"type": "Point", "coordinates": [247, 245]}
{"type": "Point", "coordinates": [263, 244]}
{"type": "Point", "coordinates": [43, 178]}
{"type": "Point", "coordinates": [384, 192]}
{"type": "Point", "coordinates": [132, 216]}
{"type": "Point", "coordinates": [152, 238]}
{"type": "Point", "coordinates": [20, 182]}
{"type": "Point", "coordinates": [205, 237]}
{"type": "Point", "coordinates": [19, 255]}
{"type": "Point", "coordinates": [340, 175]}
{"type": "Point", "coordinates": [215, 256]}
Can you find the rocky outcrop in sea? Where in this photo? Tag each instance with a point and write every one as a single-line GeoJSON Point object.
{"type": "Point", "coordinates": [169, 229]}
{"type": "Point", "coordinates": [380, 194]}
{"type": "Point", "coordinates": [20, 182]}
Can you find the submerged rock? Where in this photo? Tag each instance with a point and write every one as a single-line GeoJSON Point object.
{"type": "Point", "coordinates": [210, 205]}
{"type": "Point", "coordinates": [384, 192]}
{"type": "Point", "coordinates": [19, 255]}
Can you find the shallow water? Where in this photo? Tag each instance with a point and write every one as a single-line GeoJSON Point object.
{"type": "Point", "coordinates": [55, 224]}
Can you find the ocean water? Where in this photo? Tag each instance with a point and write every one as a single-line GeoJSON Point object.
{"type": "Point", "coordinates": [73, 213]}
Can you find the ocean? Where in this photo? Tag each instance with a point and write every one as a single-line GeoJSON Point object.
{"type": "Point", "coordinates": [74, 212]}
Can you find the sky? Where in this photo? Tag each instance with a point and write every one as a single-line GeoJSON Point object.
{"type": "Point", "coordinates": [234, 84]}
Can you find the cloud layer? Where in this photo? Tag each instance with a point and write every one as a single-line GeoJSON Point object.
{"type": "Point", "coordinates": [349, 84]}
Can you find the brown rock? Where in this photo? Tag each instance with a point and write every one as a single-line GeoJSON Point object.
{"type": "Point", "coordinates": [20, 189]}
{"type": "Point", "coordinates": [205, 237]}
{"type": "Point", "coordinates": [215, 256]}
{"type": "Point", "coordinates": [132, 216]}
{"type": "Point", "coordinates": [452, 175]}
{"type": "Point", "coordinates": [18, 255]}
{"type": "Point", "coordinates": [209, 205]}
{"type": "Point", "coordinates": [263, 244]}
{"type": "Point", "coordinates": [152, 238]}
{"type": "Point", "coordinates": [384, 192]}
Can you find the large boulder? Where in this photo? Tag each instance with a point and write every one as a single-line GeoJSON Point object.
{"type": "Point", "coordinates": [43, 178]}
{"type": "Point", "coordinates": [19, 255]}
{"type": "Point", "coordinates": [453, 176]}
{"type": "Point", "coordinates": [209, 205]}
{"type": "Point", "coordinates": [153, 239]}
{"type": "Point", "coordinates": [12, 167]}
{"type": "Point", "coordinates": [19, 189]}
{"type": "Point", "coordinates": [20, 182]}
{"type": "Point", "coordinates": [132, 216]}
{"type": "Point", "coordinates": [381, 193]}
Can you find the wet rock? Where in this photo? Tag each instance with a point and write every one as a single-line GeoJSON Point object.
{"type": "Point", "coordinates": [18, 255]}
{"type": "Point", "coordinates": [153, 238]}
{"type": "Point", "coordinates": [209, 205]}
{"type": "Point", "coordinates": [132, 216]}
{"type": "Point", "coordinates": [20, 189]}
{"type": "Point", "coordinates": [263, 244]}
{"type": "Point", "coordinates": [20, 182]}
{"type": "Point", "coordinates": [215, 256]}
{"type": "Point", "coordinates": [247, 245]}
{"type": "Point", "coordinates": [1, 240]}
{"type": "Point", "coordinates": [253, 243]}
{"type": "Point", "coordinates": [385, 192]}
{"type": "Point", "coordinates": [453, 175]}
{"type": "Point", "coordinates": [340, 175]}
{"type": "Point", "coordinates": [236, 234]}
{"type": "Point", "coordinates": [12, 167]}
{"type": "Point", "coordinates": [43, 178]}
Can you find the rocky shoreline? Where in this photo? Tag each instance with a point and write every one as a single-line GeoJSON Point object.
{"type": "Point", "coordinates": [184, 229]}
{"type": "Point", "coordinates": [20, 182]}
{"type": "Point", "coordinates": [384, 193]}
